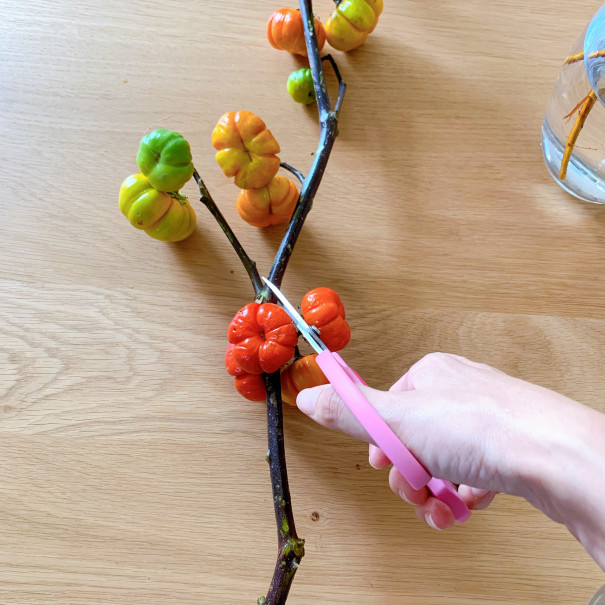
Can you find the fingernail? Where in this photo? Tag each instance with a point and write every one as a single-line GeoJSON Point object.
{"type": "Point", "coordinates": [371, 463]}
{"type": "Point", "coordinates": [404, 497]}
{"type": "Point", "coordinates": [306, 401]}
{"type": "Point", "coordinates": [477, 492]}
{"type": "Point", "coordinates": [429, 521]}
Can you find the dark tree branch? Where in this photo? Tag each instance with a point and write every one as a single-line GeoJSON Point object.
{"type": "Point", "coordinates": [328, 121]}
{"type": "Point", "coordinates": [290, 546]}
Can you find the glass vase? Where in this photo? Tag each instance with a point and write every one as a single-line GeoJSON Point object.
{"type": "Point", "coordinates": [573, 130]}
{"type": "Point", "coordinates": [598, 598]}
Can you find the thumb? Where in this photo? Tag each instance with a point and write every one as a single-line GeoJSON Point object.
{"type": "Point", "coordinates": [324, 405]}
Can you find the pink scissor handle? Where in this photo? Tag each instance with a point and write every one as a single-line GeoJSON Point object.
{"type": "Point", "coordinates": [345, 380]}
{"type": "Point", "coordinates": [448, 494]}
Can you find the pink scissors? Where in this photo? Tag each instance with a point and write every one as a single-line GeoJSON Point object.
{"type": "Point", "coordinates": [345, 381]}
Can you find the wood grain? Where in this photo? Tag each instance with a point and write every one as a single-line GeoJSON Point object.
{"type": "Point", "coordinates": [131, 470]}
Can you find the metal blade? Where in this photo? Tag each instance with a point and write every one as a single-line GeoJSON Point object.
{"type": "Point", "coordinates": [309, 335]}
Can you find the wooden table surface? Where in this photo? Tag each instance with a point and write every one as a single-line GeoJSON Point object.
{"type": "Point", "coordinates": [131, 472]}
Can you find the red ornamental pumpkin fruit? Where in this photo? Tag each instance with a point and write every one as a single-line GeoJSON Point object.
{"type": "Point", "coordinates": [251, 386]}
{"type": "Point", "coordinates": [230, 364]}
{"type": "Point", "coordinates": [264, 338]}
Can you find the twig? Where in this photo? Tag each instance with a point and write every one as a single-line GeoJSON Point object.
{"type": "Point", "coordinates": [297, 173]}
{"type": "Point", "coordinates": [580, 56]}
{"type": "Point", "coordinates": [568, 116]}
{"type": "Point", "coordinates": [341, 83]}
{"type": "Point", "coordinates": [248, 263]}
{"type": "Point", "coordinates": [585, 106]}
{"type": "Point", "coordinates": [574, 58]}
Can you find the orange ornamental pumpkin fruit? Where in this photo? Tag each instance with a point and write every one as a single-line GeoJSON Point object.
{"type": "Point", "coordinates": [246, 149]}
{"type": "Point", "coordinates": [264, 338]}
{"type": "Point", "coordinates": [251, 386]}
{"type": "Point", "coordinates": [285, 31]}
{"type": "Point", "coordinates": [269, 205]}
{"type": "Point", "coordinates": [302, 374]}
{"type": "Point", "coordinates": [322, 307]}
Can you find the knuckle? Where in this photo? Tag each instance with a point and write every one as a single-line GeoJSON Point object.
{"type": "Point", "coordinates": [427, 363]}
{"type": "Point", "coordinates": [421, 373]}
{"type": "Point", "coordinates": [328, 407]}
{"type": "Point", "coordinates": [432, 369]}
{"type": "Point", "coordinates": [438, 358]}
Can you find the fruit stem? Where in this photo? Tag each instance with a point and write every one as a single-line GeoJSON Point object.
{"type": "Point", "coordinates": [248, 263]}
{"type": "Point", "coordinates": [297, 173]}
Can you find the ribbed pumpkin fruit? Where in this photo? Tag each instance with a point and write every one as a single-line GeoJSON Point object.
{"type": "Point", "coordinates": [285, 31]}
{"type": "Point", "coordinates": [303, 373]}
{"type": "Point", "coordinates": [269, 205]}
{"type": "Point", "coordinates": [322, 307]}
{"type": "Point", "coordinates": [246, 149]}
{"type": "Point", "coordinates": [264, 338]}
{"type": "Point", "coordinates": [164, 157]}
{"type": "Point", "coordinates": [251, 386]}
{"type": "Point", "coordinates": [162, 216]}
{"type": "Point", "coordinates": [352, 22]}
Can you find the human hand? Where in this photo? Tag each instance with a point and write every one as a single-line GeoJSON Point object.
{"type": "Point", "coordinates": [429, 509]}
{"type": "Point", "coordinates": [476, 426]}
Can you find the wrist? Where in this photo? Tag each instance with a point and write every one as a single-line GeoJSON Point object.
{"type": "Point", "coordinates": [562, 475]}
{"type": "Point", "coordinates": [583, 492]}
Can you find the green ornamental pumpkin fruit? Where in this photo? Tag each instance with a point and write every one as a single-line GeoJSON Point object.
{"type": "Point", "coordinates": [165, 159]}
{"type": "Point", "coordinates": [300, 86]}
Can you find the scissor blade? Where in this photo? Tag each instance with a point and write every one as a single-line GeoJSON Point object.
{"type": "Point", "coordinates": [292, 312]}
{"type": "Point", "coordinates": [300, 323]}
